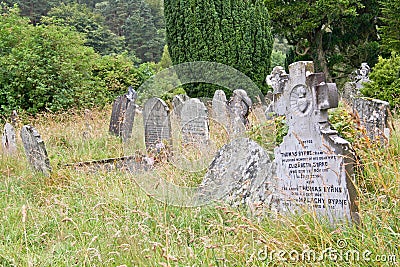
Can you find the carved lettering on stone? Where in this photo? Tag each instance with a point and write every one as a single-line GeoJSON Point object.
{"type": "Point", "coordinates": [8, 140]}
{"type": "Point", "coordinates": [157, 124]}
{"type": "Point", "coordinates": [35, 149]}
{"type": "Point", "coordinates": [314, 165]}
{"type": "Point", "coordinates": [194, 122]}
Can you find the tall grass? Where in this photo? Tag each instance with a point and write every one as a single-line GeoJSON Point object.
{"type": "Point", "coordinates": [75, 218]}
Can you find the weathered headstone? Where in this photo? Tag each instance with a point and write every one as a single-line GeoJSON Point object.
{"type": "Point", "coordinates": [221, 112]}
{"type": "Point", "coordinates": [123, 114]}
{"type": "Point", "coordinates": [8, 140]}
{"type": "Point", "coordinates": [35, 149]}
{"type": "Point", "coordinates": [362, 75]}
{"type": "Point", "coordinates": [194, 122]}
{"type": "Point", "coordinates": [88, 116]}
{"type": "Point", "coordinates": [314, 165]}
{"type": "Point", "coordinates": [177, 104]}
{"type": "Point", "coordinates": [157, 124]}
{"type": "Point", "coordinates": [373, 115]}
{"type": "Point", "coordinates": [240, 105]}
{"type": "Point", "coordinates": [277, 80]}
{"type": "Point", "coordinates": [241, 174]}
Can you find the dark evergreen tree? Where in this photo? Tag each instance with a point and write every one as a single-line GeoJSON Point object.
{"type": "Point", "coordinates": [235, 33]}
{"type": "Point", "coordinates": [390, 31]}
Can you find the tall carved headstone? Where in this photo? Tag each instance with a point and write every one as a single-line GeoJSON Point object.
{"type": "Point", "coordinates": [157, 124]}
{"type": "Point", "coordinates": [194, 122]}
{"type": "Point", "coordinates": [277, 80]}
{"type": "Point", "coordinates": [35, 149]}
{"type": "Point", "coordinates": [177, 104]}
{"type": "Point", "coordinates": [8, 140]}
{"type": "Point", "coordinates": [314, 165]}
{"type": "Point", "coordinates": [373, 114]}
{"type": "Point", "coordinates": [221, 112]}
{"type": "Point", "coordinates": [123, 114]}
{"type": "Point", "coordinates": [240, 105]}
{"type": "Point", "coordinates": [362, 75]}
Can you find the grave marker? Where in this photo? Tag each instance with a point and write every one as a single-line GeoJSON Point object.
{"type": "Point", "coordinates": [240, 105]}
{"type": "Point", "coordinates": [8, 140]}
{"type": "Point", "coordinates": [314, 165]}
{"type": "Point", "coordinates": [157, 124]}
{"type": "Point", "coordinates": [123, 114]}
{"type": "Point", "coordinates": [221, 112]}
{"type": "Point", "coordinates": [194, 122]}
{"type": "Point", "coordinates": [177, 104]}
{"type": "Point", "coordinates": [35, 149]}
{"type": "Point", "coordinates": [373, 114]}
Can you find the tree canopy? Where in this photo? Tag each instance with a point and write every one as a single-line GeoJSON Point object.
{"type": "Point", "coordinates": [235, 33]}
{"type": "Point", "coordinates": [336, 35]}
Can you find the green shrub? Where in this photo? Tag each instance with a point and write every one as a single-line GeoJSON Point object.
{"type": "Point", "coordinates": [385, 81]}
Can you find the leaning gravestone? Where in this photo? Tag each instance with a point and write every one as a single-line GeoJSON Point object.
{"type": "Point", "coordinates": [35, 149]}
{"type": "Point", "coordinates": [221, 112]}
{"type": "Point", "coordinates": [240, 105]}
{"type": "Point", "coordinates": [157, 124]}
{"type": "Point", "coordinates": [194, 122]}
{"type": "Point", "coordinates": [8, 140]}
{"type": "Point", "coordinates": [123, 114]}
{"type": "Point", "coordinates": [314, 165]}
{"type": "Point", "coordinates": [241, 174]}
{"type": "Point", "coordinates": [373, 114]}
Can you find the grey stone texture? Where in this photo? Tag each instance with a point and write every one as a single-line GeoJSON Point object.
{"type": "Point", "coordinates": [240, 174]}
{"type": "Point", "coordinates": [157, 124]}
{"type": "Point", "coordinates": [194, 122]}
{"type": "Point", "coordinates": [35, 150]}
{"type": "Point", "coordinates": [314, 165]}
{"type": "Point", "coordinates": [9, 140]}
{"type": "Point", "coordinates": [123, 115]}
{"type": "Point", "coordinates": [373, 115]}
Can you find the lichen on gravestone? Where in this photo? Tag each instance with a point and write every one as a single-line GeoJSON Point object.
{"type": "Point", "coordinates": [35, 150]}
{"type": "Point", "coordinates": [8, 140]}
{"type": "Point", "coordinates": [314, 165]}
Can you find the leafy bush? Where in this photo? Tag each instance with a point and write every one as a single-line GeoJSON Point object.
{"type": "Point", "coordinates": [385, 81]}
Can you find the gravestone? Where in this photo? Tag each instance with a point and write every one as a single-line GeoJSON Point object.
{"type": "Point", "coordinates": [373, 115]}
{"type": "Point", "coordinates": [240, 105]}
{"type": "Point", "coordinates": [277, 80]}
{"type": "Point", "coordinates": [177, 104]}
{"type": "Point", "coordinates": [194, 122]}
{"type": "Point", "coordinates": [157, 124]}
{"type": "Point", "coordinates": [241, 173]}
{"type": "Point", "coordinates": [123, 114]}
{"type": "Point", "coordinates": [221, 112]}
{"type": "Point", "coordinates": [8, 140]}
{"type": "Point", "coordinates": [314, 165]}
{"type": "Point", "coordinates": [362, 75]}
{"type": "Point", "coordinates": [35, 149]}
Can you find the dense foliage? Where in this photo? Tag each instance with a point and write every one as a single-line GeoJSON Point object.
{"type": "Point", "coordinates": [390, 31]}
{"type": "Point", "coordinates": [337, 35]}
{"type": "Point", "coordinates": [235, 33]}
{"type": "Point", "coordinates": [48, 67]}
{"type": "Point", "coordinates": [385, 81]}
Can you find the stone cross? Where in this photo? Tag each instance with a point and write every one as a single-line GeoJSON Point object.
{"type": "Point", "coordinates": [157, 124]}
{"type": "Point", "coordinates": [362, 75]}
{"type": "Point", "coordinates": [8, 140]}
{"type": "Point", "coordinates": [123, 115]}
{"type": "Point", "coordinates": [314, 165]}
{"type": "Point", "coordinates": [194, 122]}
{"type": "Point", "coordinates": [35, 149]}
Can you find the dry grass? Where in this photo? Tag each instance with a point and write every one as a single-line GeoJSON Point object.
{"type": "Point", "coordinates": [75, 218]}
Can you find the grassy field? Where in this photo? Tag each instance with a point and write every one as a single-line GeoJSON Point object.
{"type": "Point", "coordinates": [75, 218]}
